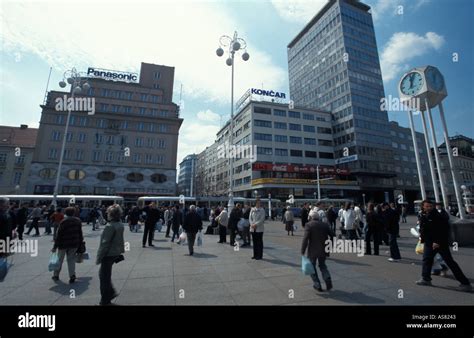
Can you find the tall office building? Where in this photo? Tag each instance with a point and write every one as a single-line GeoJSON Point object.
{"type": "Point", "coordinates": [334, 65]}
{"type": "Point", "coordinates": [186, 178]}
{"type": "Point", "coordinates": [127, 147]}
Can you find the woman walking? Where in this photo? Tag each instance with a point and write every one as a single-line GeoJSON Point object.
{"type": "Point", "coordinates": [289, 220]}
{"type": "Point", "coordinates": [257, 220]}
{"type": "Point", "coordinates": [110, 251]}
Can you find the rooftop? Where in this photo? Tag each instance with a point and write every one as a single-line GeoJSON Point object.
{"type": "Point", "coordinates": [18, 136]}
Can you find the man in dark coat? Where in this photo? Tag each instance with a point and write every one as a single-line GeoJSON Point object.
{"type": "Point", "coordinates": [434, 233]}
{"type": "Point", "coordinates": [304, 215]}
{"type": "Point", "coordinates": [21, 219]}
{"type": "Point", "coordinates": [152, 217]}
{"type": "Point", "coordinates": [234, 218]}
{"type": "Point", "coordinates": [192, 224]}
{"type": "Point", "coordinates": [316, 233]}
{"type": "Point", "coordinates": [391, 218]}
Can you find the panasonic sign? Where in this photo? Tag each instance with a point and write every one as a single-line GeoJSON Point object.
{"type": "Point", "coordinates": [270, 93]}
{"type": "Point", "coordinates": [112, 75]}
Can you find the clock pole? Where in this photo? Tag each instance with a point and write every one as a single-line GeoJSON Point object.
{"type": "Point", "coordinates": [428, 151]}
{"type": "Point", "coordinates": [442, 184]}
{"type": "Point", "coordinates": [451, 162]}
{"type": "Point", "coordinates": [417, 156]}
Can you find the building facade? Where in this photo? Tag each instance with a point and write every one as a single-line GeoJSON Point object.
{"type": "Point", "coordinates": [276, 151]}
{"type": "Point", "coordinates": [127, 147]}
{"type": "Point", "coordinates": [186, 178]}
{"type": "Point", "coordinates": [334, 66]}
{"type": "Point", "coordinates": [17, 145]}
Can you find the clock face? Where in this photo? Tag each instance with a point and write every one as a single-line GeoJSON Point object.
{"type": "Point", "coordinates": [411, 84]}
{"type": "Point", "coordinates": [435, 79]}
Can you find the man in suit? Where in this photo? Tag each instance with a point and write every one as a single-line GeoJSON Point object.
{"type": "Point", "coordinates": [192, 224]}
{"type": "Point", "coordinates": [152, 216]}
{"type": "Point", "coordinates": [316, 233]}
{"type": "Point", "coordinates": [304, 214]}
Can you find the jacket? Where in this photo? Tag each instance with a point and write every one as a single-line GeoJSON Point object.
{"type": "Point", "coordinates": [22, 216]}
{"type": "Point", "coordinates": [374, 221]}
{"type": "Point", "coordinates": [304, 215]}
{"type": "Point", "coordinates": [177, 220]}
{"type": "Point", "coordinates": [434, 228]}
{"type": "Point", "coordinates": [152, 216]}
{"type": "Point", "coordinates": [223, 218]}
{"type": "Point", "coordinates": [257, 217]}
{"type": "Point", "coordinates": [234, 218]}
{"type": "Point", "coordinates": [111, 241]}
{"type": "Point", "coordinates": [315, 235]}
{"type": "Point", "coordinates": [288, 217]}
{"type": "Point", "coordinates": [192, 222]}
{"type": "Point", "coordinates": [349, 217]}
{"type": "Point", "coordinates": [69, 235]}
{"type": "Point", "coordinates": [390, 218]}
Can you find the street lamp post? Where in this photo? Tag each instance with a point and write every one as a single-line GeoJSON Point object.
{"type": "Point", "coordinates": [233, 45]}
{"type": "Point", "coordinates": [363, 200]}
{"type": "Point", "coordinates": [78, 83]}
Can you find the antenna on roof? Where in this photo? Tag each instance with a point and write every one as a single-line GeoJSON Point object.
{"type": "Point", "coordinates": [47, 86]}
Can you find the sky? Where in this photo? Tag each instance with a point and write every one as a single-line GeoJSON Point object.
{"type": "Point", "coordinates": [37, 35]}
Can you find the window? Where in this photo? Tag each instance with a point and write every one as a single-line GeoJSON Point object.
{"type": "Point", "coordinates": [141, 126]}
{"type": "Point", "coordinates": [310, 154]}
{"type": "Point", "coordinates": [322, 130]}
{"type": "Point", "coordinates": [163, 128]}
{"type": "Point", "coordinates": [104, 107]}
{"type": "Point", "coordinates": [295, 139]}
{"type": "Point", "coordinates": [262, 110]}
{"type": "Point", "coordinates": [295, 126]}
{"type": "Point", "coordinates": [325, 155]}
{"type": "Point", "coordinates": [137, 158]}
{"type": "Point", "coordinates": [106, 176]}
{"type": "Point", "coordinates": [281, 138]}
{"type": "Point", "coordinates": [327, 143]}
{"type": "Point", "coordinates": [264, 151]}
{"type": "Point", "coordinates": [262, 137]}
{"type": "Point", "coordinates": [3, 158]}
{"type": "Point", "coordinates": [309, 129]}
{"type": "Point", "coordinates": [262, 123]}
{"type": "Point", "coordinates": [72, 120]}
{"type": "Point", "coordinates": [53, 154]}
{"type": "Point", "coordinates": [144, 97]}
{"type": "Point", "coordinates": [55, 135]}
{"type": "Point", "coordinates": [67, 154]}
{"type": "Point", "coordinates": [115, 108]}
{"type": "Point", "coordinates": [281, 152]}
{"type": "Point", "coordinates": [110, 140]}
{"type": "Point", "coordinates": [160, 159]}
{"type": "Point", "coordinates": [163, 113]}
{"type": "Point", "coordinates": [101, 123]}
{"type": "Point", "coordinates": [310, 141]}
{"type": "Point", "coordinates": [69, 137]}
{"type": "Point", "coordinates": [17, 178]}
{"type": "Point", "coordinates": [148, 159]}
{"type": "Point", "coordinates": [278, 112]}
{"type": "Point", "coordinates": [150, 143]}
{"type": "Point", "coordinates": [139, 142]}
{"type": "Point", "coordinates": [79, 155]}
{"type": "Point", "coordinates": [309, 117]}
{"type": "Point", "coordinates": [134, 177]}
{"type": "Point", "coordinates": [156, 75]}
{"type": "Point", "coordinates": [96, 155]}
{"type": "Point", "coordinates": [76, 174]}
{"type": "Point", "coordinates": [109, 156]}
{"type": "Point", "coordinates": [127, 109]}
{"type": "Point", "coordinates": [294, 114]}
{"type": "Point", "coordinates": [161, 143]}
{"type": "Point", "coordinates": [83, 121]}
{"type": "Point", "coordinates": [81, 138]}
{"type": "Point", "coordinates": [279, 125]}
{"type": "Point", "coordinates": [158, 178]}
{"type": "Point", "coordinates": [48, 173]}
{"type": "Point", "coordinates": [142, 110]}
{"type": "Point", "coordinates": [155, 98]}
{"type": "Point", "coordinates": [60, 119]}
{"type": "Point", "coordinates": [394, 145]}
{"type": "Point", "coordinates": [296, 153]}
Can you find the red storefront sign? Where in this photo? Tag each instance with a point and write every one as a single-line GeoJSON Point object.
{"type": "Point", "coordinates": [290, 168]}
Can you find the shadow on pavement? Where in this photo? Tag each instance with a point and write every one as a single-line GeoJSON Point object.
{"type": "Point", "coordinates": [203, 255]}
{"type": "Point", "coordinates": [352, 297]}
{"type": "Point", "coordinates": [341, 261]}
{"type": "Point", "coordinates": [79, 287]}
{"type": "Point", "coordinates": [280, 262]}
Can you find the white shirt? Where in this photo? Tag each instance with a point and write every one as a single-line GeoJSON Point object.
{"type": "Point", "coordinates": [349, 217]}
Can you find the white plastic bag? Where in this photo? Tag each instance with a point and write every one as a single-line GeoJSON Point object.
{"type": "Point", "coordinates": [199, 238]}
{"type": "Point", "coordinates": [182, 238]}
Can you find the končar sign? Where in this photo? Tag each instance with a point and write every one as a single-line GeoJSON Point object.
{"type": "Point", "coordinates": [301, 169]}
{"type": "Point", "coordinates": [270, 93]}
{"type": "Point", "coordinates": [112, 75]}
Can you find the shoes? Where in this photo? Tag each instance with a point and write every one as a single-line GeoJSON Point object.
{"type": "Point", "coordinates": [393, 260]}
{"type": "Point", "coordinates": [55, 278]}
{"type": "Point", "coordinates": [72, 279]}
{"type": "Point", "coordinates": [465, 287]}
{"type": "Point", "coordinates": [318, 287]}
{"type": "Point", "coordinates": [424, 282]}
{"type": "Point", "coordinates": [220, 242]}
{"type": "Point", "coordinates": [143, 246]}
{"type": "Point", "coordinates": [150, 245]}
{"type": "Point", "coordinates": [328, 285]}
{"type": "Point", "coordinates": [253, 257]}
{"type": "Point", "coordinates": [436, 272]}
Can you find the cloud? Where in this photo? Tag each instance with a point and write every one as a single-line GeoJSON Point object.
{"type": "Point", "coordinates": [298, 10]}
{"type": "Point", "coordinates": [403, 47]}
{"type": "Point", "coordinates": [194, 137]}
{"type": "Point", "coordinates": [105, 34]}
{"type": "Point", "coordinates": [208, 116]}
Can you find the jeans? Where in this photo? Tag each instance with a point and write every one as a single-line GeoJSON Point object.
{"type": "Point", "coordinates": [107, 290]}
{"type": "Point", "coordinates": [443, 250]}
{"type": "Point", "coordinates": [47, 226]}
{"type": "Point", "coordinates": [34, 224]}
{"type": "Point", "coordinates": [175, 233]}
{"type": "Point", "coordinates": [71, 261]}
{"type": "Point", "coordinates": [222, 234]}
{"type": "Point", "coordinates": [324, 271]}
{"type": "Point", "coordinates": [168, 227]}
{"type": "Point", "coordinates": [372, 232]}
{"type": "Point", "coordinates": [394, 251]}
{"type": "Point", "coordinates": [191, 238]}
{"type": "Point", "coordinates": [352, 234]}
{"type": "Point", "coordinates": [246, 235]}
{"type": "Point", "coordinates": [148, 232]}
{"type": "Point", "coordinates": [257, 238]}
{"type": "Point", "coordinates": [232, 235]}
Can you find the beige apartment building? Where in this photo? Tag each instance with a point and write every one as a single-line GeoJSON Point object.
{"type": "Point", "coordinates": [127, 147]}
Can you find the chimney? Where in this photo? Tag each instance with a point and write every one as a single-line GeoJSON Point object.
{"type": "Point", "coordinates": [23, 126]}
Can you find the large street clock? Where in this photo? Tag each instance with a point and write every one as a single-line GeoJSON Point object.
{"type": "Point", "coordinates": [423, 83]}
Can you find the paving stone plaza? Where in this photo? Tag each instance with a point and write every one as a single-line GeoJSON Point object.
{"type": "Point", "coordinates": [219, 275]}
